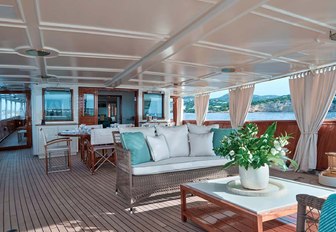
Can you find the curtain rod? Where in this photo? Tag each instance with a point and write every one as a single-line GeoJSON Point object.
{"type": "Point", "coordinates": [319, 70]}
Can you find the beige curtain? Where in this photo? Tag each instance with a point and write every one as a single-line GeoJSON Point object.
{"type": "Point", "coordinates": [240, 102]}
{"type": "Point", "coordinates": [179, 111]}
{"type": "Point", "coordinates": [312, 95]}
{"type": "Point", "coordinates": [201, 107]}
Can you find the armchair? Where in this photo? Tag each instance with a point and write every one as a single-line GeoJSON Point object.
{"type": "Point", "coordinates": [58, 146]}
{"type": "Point", "coordinates": [316, 214]}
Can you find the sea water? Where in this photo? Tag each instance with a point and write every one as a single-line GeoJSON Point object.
{"type": "Point", "coordinates": [256, 116]}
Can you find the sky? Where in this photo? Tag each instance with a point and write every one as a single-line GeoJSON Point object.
{"type": "Point", "coordinates": [276, 87]}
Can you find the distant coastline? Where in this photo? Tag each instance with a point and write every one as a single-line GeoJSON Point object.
{"type": "Point", "coordinates": [253, 116]}
{"type": "Point", "coordinates": [262, 107]}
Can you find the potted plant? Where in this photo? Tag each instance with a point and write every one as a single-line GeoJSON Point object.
{"type": "Point", "coordinates": [254, 154]}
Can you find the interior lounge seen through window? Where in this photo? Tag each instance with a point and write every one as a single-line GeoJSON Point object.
{"type": "Point", "coordinates": [57, 104]}
{"type": "Point", "coordinates": [153, 105]}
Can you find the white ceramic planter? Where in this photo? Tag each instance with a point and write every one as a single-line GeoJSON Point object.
{"type": "Point", "coordinates": [255, 179]}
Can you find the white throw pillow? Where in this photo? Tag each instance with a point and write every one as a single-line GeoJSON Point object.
{"type": "Point", "coordinates": [146, 131]}
{"type": "Point", "coordinates": [201, 144]}
{"type": "Point", "coordinates": [194, 129]}
{"type": "Point", "coordinates": [158, 147]}
{"type": "Point", "coordinates": [176, 138]}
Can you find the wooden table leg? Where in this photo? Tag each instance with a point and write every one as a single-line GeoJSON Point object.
{"type": "Point", "coordinates": [183, 204]}
{"type": "Point", "coordinates": [259, 224]}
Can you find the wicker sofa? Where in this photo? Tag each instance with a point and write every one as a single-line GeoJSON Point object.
{"type": "Point", "coordinates": [143, 182]}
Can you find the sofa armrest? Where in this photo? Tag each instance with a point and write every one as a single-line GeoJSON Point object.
{"type": "Point", "coordinates": [123, 159]}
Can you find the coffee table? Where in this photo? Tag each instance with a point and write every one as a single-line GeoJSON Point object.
{"type": "Point", "coordinates": [257, 208]}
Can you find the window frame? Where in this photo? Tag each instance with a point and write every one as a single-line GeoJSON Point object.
{"type": "Point", "coordinates": [162, 104]}
{"type": "Point", "coordinates": [43, 104]}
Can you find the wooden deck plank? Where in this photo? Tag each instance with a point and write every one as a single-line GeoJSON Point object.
{"type": "Point", "coordinates": [53, 217]}
{"type": "Point", "coordinates": [6, 208]}
{"type": "Point", "coordinates": [78, 201]}
{"type": "Point", "coordinates": [2, 192]}
{"type": "Point", "coordinates": [18, 203]}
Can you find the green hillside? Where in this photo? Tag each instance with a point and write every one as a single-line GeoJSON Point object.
{"type": "Point", "coordinates": [267, 103]}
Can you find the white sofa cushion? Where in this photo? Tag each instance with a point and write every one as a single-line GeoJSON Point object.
{"type": "Point", "coordinates": [178, 164]}
{"type": "Point", "coordinates": [158, 147]}
{"type": "Point", "coordinates": [146, 131]}
{"type": "Point", "coordinates": [201, 144]}
{"type": "Point", "coordinates": [177, 139]}
{"type": "Point", "coordinates": [201, 129]}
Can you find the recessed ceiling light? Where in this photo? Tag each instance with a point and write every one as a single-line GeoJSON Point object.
{"type": "Point", "coordinates": [37, 52]}
{"type": "Point", "coordinates": [332, 36]}
{"type": "Point", "coordinates": [228, 70]}
{"type": "Point", "coordinates": [32, 52]}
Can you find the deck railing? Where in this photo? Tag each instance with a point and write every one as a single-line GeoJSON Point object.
{"type": "Point", "coordinates": [326, 136]}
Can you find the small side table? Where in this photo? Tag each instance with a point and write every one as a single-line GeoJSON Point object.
{"type": "Point", "coordinates": [328, 177]}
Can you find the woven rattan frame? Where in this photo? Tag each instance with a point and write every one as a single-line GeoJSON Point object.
{"type": "Point", "coordinates": [139, 188]}
{"type": "Point", "coordinates": [308, 214]}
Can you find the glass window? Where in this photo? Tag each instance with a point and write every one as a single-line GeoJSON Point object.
{"type": "Point", "coordinates": [271, 101]}
{"type": "Point", "coordinates": [89, 105]}
{"type": "Point", "coordinates": [8, 108]}
{"type": "Point", "coordinates": [153, 105]}
{"type": "Point", "coordinates": [171, 108]}
{"type": "Point", "coordinates": [3, 108]}
{"type": "Point", "coordinates": [218, 107]}
{"type": "Point", "coordinates": [189, 108]}
{"type": "Point", "coordinates": [332, 110]}
{"type": "Point", "coordinates": [57, 105]}
{"type": "Point", "coordinates": [17, 108]}
{"type": "Point", "coordinates": [13, 109]}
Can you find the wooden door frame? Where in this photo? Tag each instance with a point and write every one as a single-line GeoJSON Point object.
{"type": "Point", "coordinates": [96, 90]}
{"type": "Point", "coordinates": [28, 119]}
{"type": "Point", "coordinates": [82, 119]}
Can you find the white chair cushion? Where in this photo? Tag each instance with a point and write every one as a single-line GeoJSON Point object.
{"type": "Point", "coordinates": [158, 147]}
{"type": "Point", "coordinates": [201, 144]}
{"type": "Point", "coordinates": [177, 139]}
{"type": "Point", "coordinates": [178, 164]}
{"type": "Point", "coordinates": [201, 129]}
{"type": "Point", "coordinates": [146, 131]}
{"type": "Point", "coordinates": [102, 136]}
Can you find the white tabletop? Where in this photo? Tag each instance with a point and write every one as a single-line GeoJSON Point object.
{"type": "Point", "coordinates": [261, 204]}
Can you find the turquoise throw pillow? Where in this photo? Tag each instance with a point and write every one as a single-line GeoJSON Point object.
{"type": "Point", "coordinates": [135, 142]}
{"type": "Point", "coordinates": [219, 135]}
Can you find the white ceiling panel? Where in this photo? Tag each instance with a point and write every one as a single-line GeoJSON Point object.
{"type": "Point", "coordinates": [271, 68]}
{"type": "Point", "coordinates": [260, 34]}
{"type": "Point", "coordinates": [183, 69]}
{"type": "Point", "coordinates": [13, 71]}
{"type": "Point", "coordinates": [154, 84]}
{"type": "Point", "coordinates": [91, 43]}
{"type": "Point", "coordinates": [9, 11]}
{"type": "Point", "coordinates": [320, 11]}
{"type": "Point", "coordinates": [14, 59]}
{"type": "Point", "coordinates": [210, 83]}
{"type": "Point", "coordinates": [148, 16]}
{"type": "Point", "coordinates": [66, 61]}
{"type": "Point", "coordinates": [321, 55]}
{"type": "Point", "coordinates": [211, 57]}
{"type": "Point", "coordinates": [234, 79]}
{"type": "Point", "coordinates": [83, 74]}
{"type": "Point", "coordinates": [160, 78]}
{"type": "Point", "coordinates": [12, 37]}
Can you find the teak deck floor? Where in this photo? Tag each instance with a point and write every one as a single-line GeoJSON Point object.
{"type": "Point", "coordinates": [78, 201]}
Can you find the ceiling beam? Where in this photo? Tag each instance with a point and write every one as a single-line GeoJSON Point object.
{"type": "Point", "coordinates": [164, 46]}
{"type": "Point", "coordinates": [219, 16]}
{"type": "Point", "coordinates": [30, 15]}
